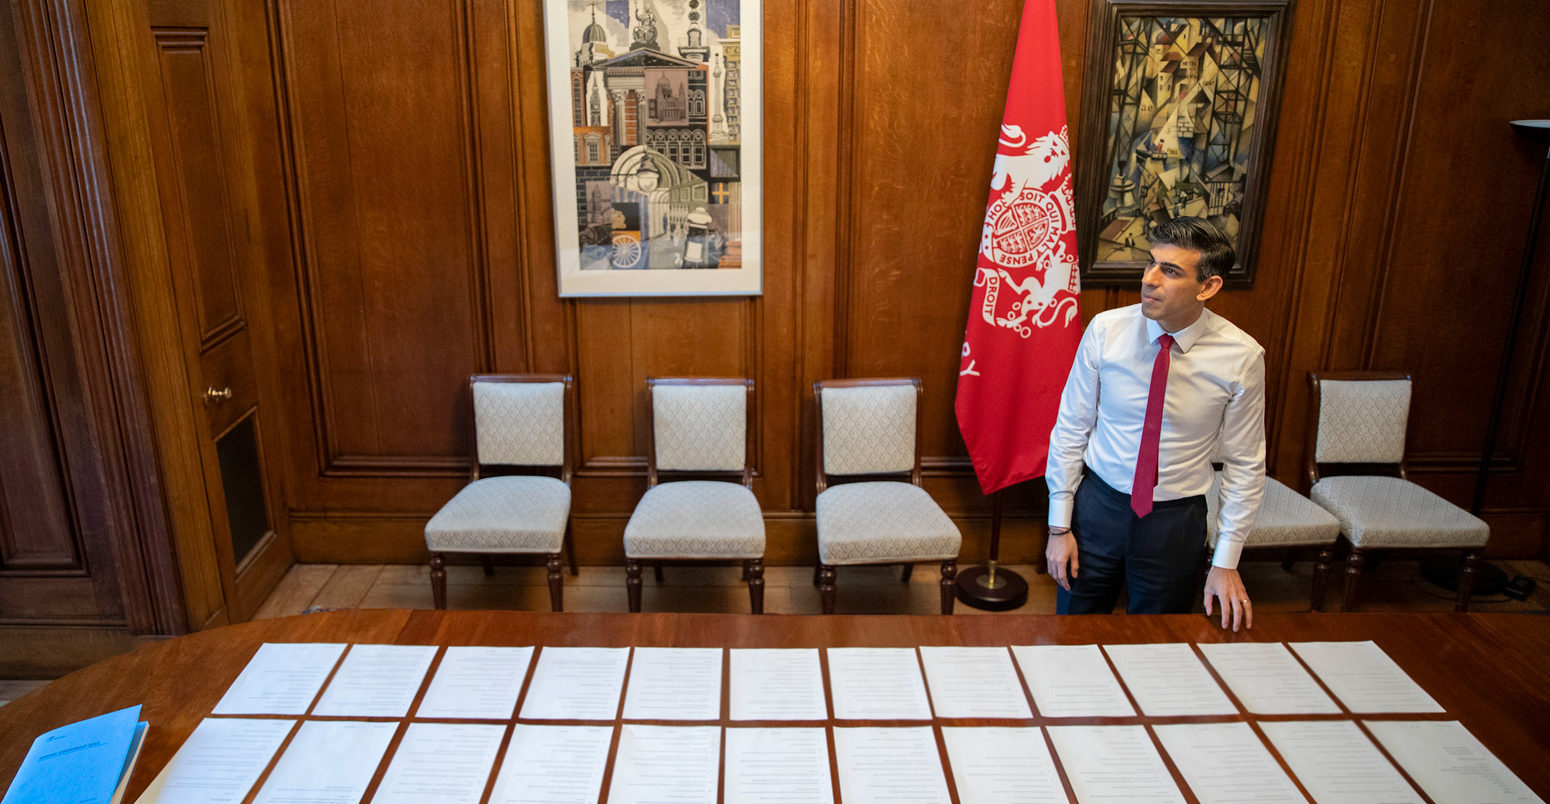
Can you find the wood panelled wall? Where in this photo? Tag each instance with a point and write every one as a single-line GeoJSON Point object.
{"type": "Point", "coordinates": [402, 154]}
{"type": "Point", "coordinates": [393, 217]}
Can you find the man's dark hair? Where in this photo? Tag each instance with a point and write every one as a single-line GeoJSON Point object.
{"type": "Point", "coordinates": [1197, 234]}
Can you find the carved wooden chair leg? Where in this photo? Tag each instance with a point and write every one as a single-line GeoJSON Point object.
{"type": "Point", "coordinates": [949, 573]}
{"type": "Point", "coordinates": [438, 580]}
{"type": "Point", "coordinates": [1354, 564]}
{"type": "Point", "coordinates": [632, 582]}
{"type": "Point", "coordinates": [556, 599]}
{"type": "Point", "coordinates": [1321, 576]}
{"type": "Point", "coordinates": [488, 562]}
{"type": "Point", "coordinates": [826, 587]}
{"type": "Point", "coordinates": [909, 569]}
{"type": "Point", "coordinates": [656, 569]}
{"type": "Point", "coordinates": [1466, 579]}
{"type": "Point", "coordinates": [753, 570]}
{"type": "Point", "coordinates": [570, 548]}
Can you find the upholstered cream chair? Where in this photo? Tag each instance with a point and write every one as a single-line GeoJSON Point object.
{"type": "Point", "coordinates": [1287, 522]}
{"type": "Point", "coordinates": [521, 423]}
{"type": "Point", "coordinates": [699, 427]}
{"type": "Point", "coordinates": [869, 430]}
{"type": "Point", "coordinates": [1357, 423]}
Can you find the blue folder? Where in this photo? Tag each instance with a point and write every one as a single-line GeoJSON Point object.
{"type": "Point", "coordinates": [83, 763]}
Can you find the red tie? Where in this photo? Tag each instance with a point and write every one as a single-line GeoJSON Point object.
{"type": "Point", "coordinates": [1151, 431]}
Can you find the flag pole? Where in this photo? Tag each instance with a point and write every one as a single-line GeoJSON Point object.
{"type": "Point", "coordinates": [990, 587]}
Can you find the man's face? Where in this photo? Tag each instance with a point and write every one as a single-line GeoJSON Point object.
{"type": "Point", "coordinates": [1171, 291]}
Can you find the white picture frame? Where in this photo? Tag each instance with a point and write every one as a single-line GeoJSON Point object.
{"type": "Point", "coordinates": [656, 142]}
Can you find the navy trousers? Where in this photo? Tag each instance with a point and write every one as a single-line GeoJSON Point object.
{"type": "Point", "coordinates": [1157, 558]}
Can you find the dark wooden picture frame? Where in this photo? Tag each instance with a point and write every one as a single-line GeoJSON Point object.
{"type": "Point", "coordinates": [1192, 87]}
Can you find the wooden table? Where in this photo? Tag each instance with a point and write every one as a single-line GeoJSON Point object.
{"type": "Point", "coordinates": [1489, 671]}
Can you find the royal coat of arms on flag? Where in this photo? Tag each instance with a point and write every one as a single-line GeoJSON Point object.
{"type": "Point", "coordinates": [1024, 322]}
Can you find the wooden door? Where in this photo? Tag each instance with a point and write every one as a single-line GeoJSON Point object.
{"type": "Point", "coordinates": [205, 180]}
{"type": "Point", "coordinates": [56, 565]}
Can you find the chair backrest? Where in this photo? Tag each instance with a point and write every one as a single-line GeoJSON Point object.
{"type": "Point", "coordinates": [521, 420]}
{"type": "Point", "coordinates": [1357, 417]}
{"type": "Point", "coordinates": [700, 424]}
{"type": "Point", "coordinates": [868, 427]}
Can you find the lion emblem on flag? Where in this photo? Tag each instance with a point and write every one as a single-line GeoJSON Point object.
{"type": "Point", "coordinates": [1027, 269]}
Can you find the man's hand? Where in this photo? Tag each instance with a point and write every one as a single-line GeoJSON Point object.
{"type": "Point", "coordinates": [1227, 587]}
{"type": "Point", "coordinates": [1061, 550]}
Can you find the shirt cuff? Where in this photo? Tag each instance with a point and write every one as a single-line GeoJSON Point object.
{"type": "Point", "coordinates": [1227, 552]}
{"type": "Point", "coordinates": [1060, 511]}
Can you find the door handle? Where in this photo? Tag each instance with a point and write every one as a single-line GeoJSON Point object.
{"type": "Point", "coordinates": [215, 396]}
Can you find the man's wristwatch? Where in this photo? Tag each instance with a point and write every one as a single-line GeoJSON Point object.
{"type": "Point", "coordinates": [1058, 531]}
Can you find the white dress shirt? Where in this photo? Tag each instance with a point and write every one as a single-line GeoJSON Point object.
{"type": "Point", "coordinates": [1216, 393]}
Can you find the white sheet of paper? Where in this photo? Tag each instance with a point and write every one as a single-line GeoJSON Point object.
{"type": "Point", "coordinates": [476, 683]}
{"type": "Point", "coordinates": [1449, 763]}
{"type": "Point", "coordinates": [553, 765]}
{"type": "Point", "coordinates": [327, 762]}
{"type": "Point", "coordinates": [1113, 764]}
{"type": "Point", "coordinates": [974, 682]}
{"type": "Point", "coordinates": [889, 766]}
{"type": "Point", "coordinates": [1002, 765]}
{"type": "Point", "coordinates": [282, 678]}
{"type": "Point", "coordinates": [376, 681]}
{"type": "Point", "coordinates": [788, 765]}
{"type": "Point", "coordinates": [1071, 681]}
{"type": "Point", "coordinates": [674, 684]}
{"type": "Point", "coordinates": [777, 684]}
{"type": "Point", "coordinates": [442, 762]}
{"type": "Point", "coordinates": [1267, 679]}
{"type": "Point", "coordinates": [1227, 763]}
{"type": "Point", "coordinates": [576, 684]}
{"type": "Point", "coordinates": [1168, 679]}
{"type": "Point", "coordinates": [1364, 678]}
{"type": "Point", "coordinates": [656, 764]}
{"type": "Point", "coordinates": [1337, 764]}
{"type": "Point", "coordinates": [877, 684]}
{"type": "Point", "coordinates": [219, 762]}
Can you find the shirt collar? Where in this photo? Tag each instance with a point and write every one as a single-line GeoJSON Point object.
{"type": "Point", "coordinates": [1184, 338]}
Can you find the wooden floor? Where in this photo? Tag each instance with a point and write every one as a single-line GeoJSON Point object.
{"type": "Point", "coordinates": [1391, 586]}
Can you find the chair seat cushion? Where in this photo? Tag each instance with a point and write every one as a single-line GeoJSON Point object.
{"type": "Point", "coordinates": [509, 514]}
{"type": "Point", "coordinates": [1285, 519]}
{"type": "Point", "coordinates": [696, 519]}
{"type": "Point", "coordinates": [1390, 512]}
{"type": "Point", "coordinates": [879, 522]}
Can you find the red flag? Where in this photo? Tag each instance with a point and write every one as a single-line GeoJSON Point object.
{"type": "Point", "coordinates": [1023, 320]}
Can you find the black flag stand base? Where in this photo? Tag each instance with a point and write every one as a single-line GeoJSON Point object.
{"type": "Point", "coordinates": [989, 587]}
{"type": "Point", "coordinates": [1443, 571]}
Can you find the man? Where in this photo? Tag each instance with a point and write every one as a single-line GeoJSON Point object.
{"type": "Point", "coordinates": [1158, 391]}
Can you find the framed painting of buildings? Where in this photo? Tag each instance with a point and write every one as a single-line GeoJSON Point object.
{"type": "Point", "coordinates": [1178, 117]}
{"type": "Point", "coordinates": [655, 138]}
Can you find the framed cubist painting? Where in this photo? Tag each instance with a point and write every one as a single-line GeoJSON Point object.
{"type": "Point", "coordinates": [1178, 115]}
{"type": "Point", "coordinates": [655, 135]}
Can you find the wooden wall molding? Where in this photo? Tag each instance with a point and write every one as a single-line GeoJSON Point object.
{"type": "Point", "coordinates": [37, 534]}
{"type": "Point", "coordinates": [845, 205]}
{"type": "Point", "coordinates": [1399, 170]}
{"type": "Point", "coordinates": [108, 458]}
{"type": "Point", "coordinates": [1332, 154]}
{"type": "Point", "coordinates": [481, 301]}
{"type": "Point", "coordinates": [1302, 145]}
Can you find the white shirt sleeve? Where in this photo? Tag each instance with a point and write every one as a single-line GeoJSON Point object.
{"type": "Point", "coordinates": [1243, 463]}
{"type": "Point", "coordinates": [1075, 422]}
